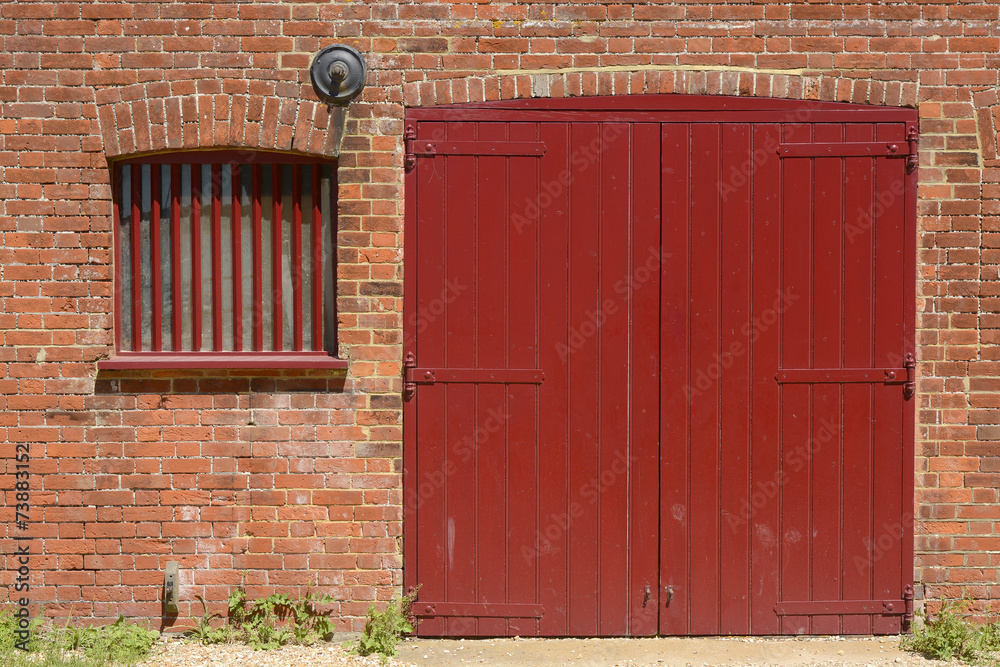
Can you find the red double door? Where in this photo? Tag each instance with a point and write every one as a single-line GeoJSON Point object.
{"type": "Point", "coordinates": [658, 371]}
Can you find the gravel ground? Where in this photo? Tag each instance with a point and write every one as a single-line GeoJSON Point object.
{"type": "Point", "coordinates": [653, 652]}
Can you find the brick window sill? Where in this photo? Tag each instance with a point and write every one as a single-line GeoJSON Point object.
{"type": "Point", "coordinates": [230, 360]}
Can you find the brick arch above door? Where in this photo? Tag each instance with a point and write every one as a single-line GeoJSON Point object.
{"type": "Point", "coordinates": [793, 85]}
{"type": "Point", "coordinates": [144, 118]}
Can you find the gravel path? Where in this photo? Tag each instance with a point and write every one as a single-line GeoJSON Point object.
{"type": "Point", "coordinates": [652, 652]}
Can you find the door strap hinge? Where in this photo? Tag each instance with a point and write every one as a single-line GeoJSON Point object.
{"type": "Point", "coordinates": [903, 376]}
{"type": "Point", "coordinates": [478, 609]}
{"type": "Point", "coordinates": [843, 608]}
{"type": "Point", "coordinates": [849, 149]}
{"type": "Point", "coordinates": [430, 147]}
{"type": "Point", "coordinates": [412, 376]}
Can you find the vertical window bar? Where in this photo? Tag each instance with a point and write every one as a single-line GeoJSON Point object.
{"type": "Point", "coordinates": [157, 300]}
{"type": "Point", "coordinates": [328, 194]}
{"type": "Point", "coordinates": [167, 260]}
{"type": "Point", "coordinates": [207, 273]}
{"type": "Point", "coordinates": [175, 253]}
{"type": "Point", "coordinates": [136, 262]}
{"type": "Point", "coordinates": [317, 261]}
{"type": "Point", "coordinates": [296, 259]}
{"type": "Point", "coordinates": [196, 256]}
{"type": "Point", "coordinates": [258, 287]}
{"type": "Point", "coordinates": [120, 264]}
{"type": "Point", "coordinates": [276, 256]}
{"type": "Point", "coordinates": [217, 257]}
{"type": "Point", "coordinates": [236, 180]}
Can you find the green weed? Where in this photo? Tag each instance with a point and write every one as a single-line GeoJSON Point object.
{"type": "Point", "coordinates": [384, 629]}
{"type": "Point", "coordinates": [74, 646]}
{"type": "Point", "coordinates": [950, 635]}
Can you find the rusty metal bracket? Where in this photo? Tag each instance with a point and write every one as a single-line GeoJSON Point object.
{"type": "Point", "coordinates": [478, 609]}
{"type": "Point", "coordinates": [409, 386]}
{"type": "Point", "coordinates": [908, 601]}
{"type": "Point", "coordinates": [910, 386]}
{"type": "Point", "coordinates": [911, 139]}
{"type": "Point", "coordinates": [409, 135]}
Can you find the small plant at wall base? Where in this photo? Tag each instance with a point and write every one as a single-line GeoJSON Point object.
{"type": "Point", "coordinates": [384, 629]}
{"type": "Point", "coordinates": [268, 623]}
{"type": "Point", "coordinates": [117, 644]}
{"type": "Point", "coordinates": [949, 634]}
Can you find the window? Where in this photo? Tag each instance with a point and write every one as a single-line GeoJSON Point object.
{"type": "Point", "coordinates": [225, 260]}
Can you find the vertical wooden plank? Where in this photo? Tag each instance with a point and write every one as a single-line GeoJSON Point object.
{"type": "Point", "coordinates": [522, 403]}
{"type": "Point", "coordinates": [258, 286]}
{"type": "Point", "coordinates": [889, 308]}
{"type": "Point", "coordinates": [196, 256]}
{"type": "Point", "coordinates": [706, 567]}
{"type": "Point", "coordinates": [455, 299]}
{"type": "Point", "coordinates": [296, 257]}
{"type": "Point", "coordinates": [551, 224]}
{"type": "Point", "coordinates": [734, 369]}
{"type": "Point", "coordinates": [827, 336]}
{"type": "Point", "coordinates": [216, 256]}
{"type": "Point", "coordinates": [429, 345]}
{"type": "Point", "coordinates": [796, 327]}
{"type": "Point", "coordinates": [584, 380]}
{"type": "Point", "coordinates": [317, 262]}
{"type": "Point", "coordinates": [276, 295]}
{"type": "Point", "coordinates": [136, 259]}
{"type": "Point", "coordinates": [675, 378]}
{"type": "Point", "coordinates": [237, 217]}
{"type": "Point", "coordinates": [859, 252]}
{"type": "Point", "coordinates": [177, 309]}
{"type": "Point", "coordinates": [491, 351]}
{"type": "Point", "coordinates": [610, 318]}
{"type": "Point", "coordinates": [157, 305]}
{"type": "Point", "coordinates": [762, 512]}
{"type": "Point", "coordinates": [642, 291]}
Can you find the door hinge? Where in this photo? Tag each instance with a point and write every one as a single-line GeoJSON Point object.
{"type": "Point", "coordinates": [412, 376]}
{"type": "Point", "coordinates": [846, 149]}
{"type": "Point", "coordinates": [431, 147]}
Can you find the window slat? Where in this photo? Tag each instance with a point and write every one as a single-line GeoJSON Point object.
{"type": "Point", "coordinates": [276, 257]}
{"type": "Point", "coordinates": [175, 250]}
{"type": "Point", "coordinates": [236, 222]}
{"type": "Point", "coordinates": [258, 262]}
{"type": "Point", "coordinates": [196, 256]}
{"type": "Point", "coordinates": [317, 260]}
{"type": "Point", "coordinates": [217, 257]}
{"type": "Point", "coordinates": [157, 301]}
{"type": "Point", "coordinates": [297, 255]}
{"type": "Point", "coordinates": [136, 261]}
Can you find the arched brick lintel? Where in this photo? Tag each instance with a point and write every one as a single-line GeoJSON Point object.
{"type": "Point", "coordinates": [136, 120]}
{"type": "Point", "coordinates": [792, 85]}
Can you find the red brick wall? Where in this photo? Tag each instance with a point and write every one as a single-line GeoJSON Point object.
{"type": "Point", "coordinates": [296, 479]}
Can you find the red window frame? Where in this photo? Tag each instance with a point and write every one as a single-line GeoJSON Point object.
{"type": "Point", "coordinates": [143, 345]}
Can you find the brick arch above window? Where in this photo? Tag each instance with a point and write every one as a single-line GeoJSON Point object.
{"type": "Point", "coordinates": [135, 119]}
